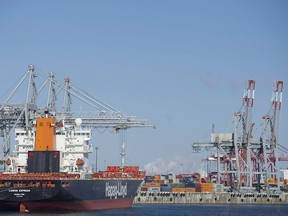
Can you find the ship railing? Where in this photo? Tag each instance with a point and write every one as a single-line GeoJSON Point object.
{"type": "Point", "coordinates": [119, 175]}
{"type": "Point", "coordinates": [37, 176]}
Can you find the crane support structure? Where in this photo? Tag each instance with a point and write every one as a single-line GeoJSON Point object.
{"type": "Point", "coordinates": [243, 163]}
{"type": "Point", "coordinates": [23, 115]}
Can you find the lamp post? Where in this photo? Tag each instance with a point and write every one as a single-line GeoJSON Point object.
{"type": "Point", "coordinates": [96, 158]}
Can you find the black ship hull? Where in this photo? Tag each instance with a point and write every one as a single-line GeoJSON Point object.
{"type": "Point", "coordinates": [67, 195]}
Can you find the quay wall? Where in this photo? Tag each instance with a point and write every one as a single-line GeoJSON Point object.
{"type": "Point", "coordinates": [209, 198]}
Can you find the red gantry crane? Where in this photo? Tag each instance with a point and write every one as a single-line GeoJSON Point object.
{"type": "Point", "coordinates": [244, 163]}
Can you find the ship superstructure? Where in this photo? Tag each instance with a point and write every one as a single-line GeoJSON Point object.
{"type": "Point", "coordinates": [72, 141]}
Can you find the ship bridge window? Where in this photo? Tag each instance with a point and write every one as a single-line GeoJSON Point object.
{"type": "Point", "coordinates": [82, 134]}
{"type": "Point", "coordinates": [21, 134]}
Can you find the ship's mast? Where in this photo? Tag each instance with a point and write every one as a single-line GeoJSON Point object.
{"type": "Point", "coordinates": [123, 151]}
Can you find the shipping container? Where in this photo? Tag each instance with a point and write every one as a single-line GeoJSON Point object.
{"type": "Point", "coordinates": [144, 189]}
{"type": "Point", "coordinates": [148, 179]}
{"type": "Point", "coordinates": [217, 188]}
{"type": "Point", "coordinates": [165, 189]}
{"type": "Point", "coordinates": [153, 189]}
{"type": "Point", "coordinates": [152, 184]}
{"type": "Point", "coordinates": [190, 190]}
{"type": "Point", "coordinates": [190, 184]}
{"type": "Point", "coordinates": [204, 187]}
{"type": "Point", "coordinates": [166, 181]}
{"type": "Point", "coordinates": [157, 177]}
{"type": "Point", "coordinates": [178, 185]}
{"type": "Point", "coordinates": [272, 181]}
{"type": "Point", "coordinates": [178, 190]}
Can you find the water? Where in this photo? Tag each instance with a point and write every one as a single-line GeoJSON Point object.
{"type": "Point", "coordinates": [180, 210]}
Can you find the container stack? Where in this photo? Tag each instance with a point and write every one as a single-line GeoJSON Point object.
{"type": "Point", "coordinates": [175, 183]}
{"type": "Point", "coordinates": [218, 188]}
{"type": "Point", "coordinates": [204, 187]}
{"type": "Point", "coordinates": [178, 187]}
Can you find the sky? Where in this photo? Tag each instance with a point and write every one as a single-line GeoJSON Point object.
{"type": "Point", "coordinates": [182, 65]}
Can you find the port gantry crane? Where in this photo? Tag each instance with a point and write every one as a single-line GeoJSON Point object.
{"type": "Point", "coordinates": [24, 114]}
{"type": "Point", "coordinates": [242, 162]}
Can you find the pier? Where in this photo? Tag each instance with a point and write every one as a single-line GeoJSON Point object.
{"type": "Point", "coordinates": [209, 198]}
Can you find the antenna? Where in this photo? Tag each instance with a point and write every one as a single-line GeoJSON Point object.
{"type": "Point", "coordinates": [123, 151]}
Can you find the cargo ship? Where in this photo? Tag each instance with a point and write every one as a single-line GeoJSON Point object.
{"type": "Point", "coordinates": [50, 172]}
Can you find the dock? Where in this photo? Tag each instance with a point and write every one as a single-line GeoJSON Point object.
{"type": "Point", "coordinates": [209, 198]}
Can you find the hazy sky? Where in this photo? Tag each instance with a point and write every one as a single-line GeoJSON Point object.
{"type": "Point", "coordinates": [181, 64]}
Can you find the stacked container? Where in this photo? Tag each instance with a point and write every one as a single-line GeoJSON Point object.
{"type": "Point", "coordinates": [204, 187]}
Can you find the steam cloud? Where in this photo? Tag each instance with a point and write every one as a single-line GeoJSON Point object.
{"type": "Point", "coordinates": [175, 166]}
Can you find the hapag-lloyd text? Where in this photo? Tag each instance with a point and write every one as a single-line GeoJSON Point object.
{"type": "Point", "coordinates": [116, 190]}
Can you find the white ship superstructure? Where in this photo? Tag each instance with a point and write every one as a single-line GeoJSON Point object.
{"type": "Point", "coordinates": [72, 142]}
{"type": "Point", "coordinates": [24, 143]}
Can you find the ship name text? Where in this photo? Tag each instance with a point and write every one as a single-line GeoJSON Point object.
{"type": "Point", "coordinates": [19, 190]}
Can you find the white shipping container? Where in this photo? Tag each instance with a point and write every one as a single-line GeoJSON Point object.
{"type": "Point", "coordinates": [166, 181]}
{"type": "Point", "coordinates": [217, 188]}
{"type": "Point", "coordinates": [153, 189]}
{"type": "Point", "coordinates": [285, 174]}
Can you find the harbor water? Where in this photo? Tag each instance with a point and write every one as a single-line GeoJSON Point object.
{"type": "Point", "coordinates": [181, 210]}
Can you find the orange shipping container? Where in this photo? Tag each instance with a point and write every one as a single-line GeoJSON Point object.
{"type": "Point", "coordinates": [157, 177]}
{"type": "Point", "coordinates": [272, 181]}
{"type": "Point", "coordinates": [152, 184]}
{"type": "Point", "coordinates": [204, 187]}
{"type": "Point", "coordinates": [190, 190]}
{"type": "Point", "coordinates": [177, 190]}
